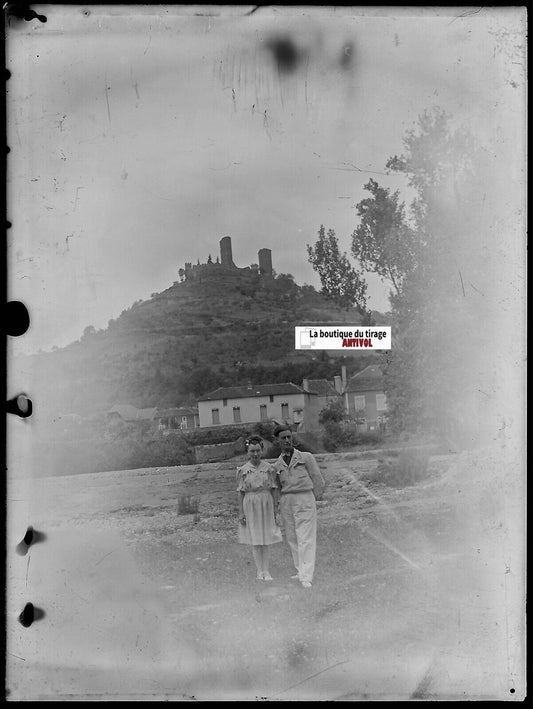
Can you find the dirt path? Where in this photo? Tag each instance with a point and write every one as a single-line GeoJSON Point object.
{"type": "Point", "coordinates": [410, 598]}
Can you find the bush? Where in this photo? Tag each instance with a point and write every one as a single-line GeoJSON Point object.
{"type": "Point", "coordinates": [224, 434]}
{"type": "Point", "coordinates": [188, 504]}
{"type": "Point", "coordinates": [71, 457]}
{"type": "Point", "coordinates": [274, 449]}
{"type": "Point", "coordinates": [333, 412]}
{"type": "Point", "coordinates": [409, 468]}
{"type": "Point", "coordinates": [265, 429]}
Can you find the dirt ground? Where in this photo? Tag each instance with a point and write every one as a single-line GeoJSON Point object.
{"type": "Point", "coordinates": [418, 591]}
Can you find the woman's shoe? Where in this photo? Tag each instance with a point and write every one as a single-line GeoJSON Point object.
{"type": "Point", "coordinates": [306, 584]}
{"type": "Point", "coordinates": [267, 577]}
{"type": "Point", "coordinates": [260, 577]}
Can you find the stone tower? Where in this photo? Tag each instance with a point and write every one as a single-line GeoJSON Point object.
{"type": "Point", "coordinates": [226, 258]}
{"type": "Point", "coordinates": [265, 262]}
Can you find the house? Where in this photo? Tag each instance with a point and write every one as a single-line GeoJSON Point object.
{"type": "Point", "coordinates": [365, 400]}
{"type": "Point", "coordinates": [177, 419]}
{"type": "Point", "coordinates": [285, 402]}
{"type": "Point", "coordinates": [130, 414]}
{"type": "Point", "coordinates": [326, 391]}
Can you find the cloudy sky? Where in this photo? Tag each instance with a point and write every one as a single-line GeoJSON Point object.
{"type": "Point", "coordinates": [142, 135]}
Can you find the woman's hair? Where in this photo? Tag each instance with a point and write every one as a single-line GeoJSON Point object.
{"type": "Point", "coordinates": [253, 439]}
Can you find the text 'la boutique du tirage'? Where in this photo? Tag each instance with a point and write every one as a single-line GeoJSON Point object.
{"type": "Point", "coordinates": [337, 338]}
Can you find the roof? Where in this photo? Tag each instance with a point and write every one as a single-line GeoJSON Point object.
{"type": "Point", "coordinates": [322, 387]}
{"type": "Point", "coordinates": [176, 411]}
{"type": "Point", "coordinates": [132, 413]}
{"type": "Point", "coordinates": [252, 390]}
{"type": "Point", "coordinates": [368, 379]}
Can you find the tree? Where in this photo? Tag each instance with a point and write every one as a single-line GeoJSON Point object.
{"type": "Point", "coordinates": [89, 331]}
{"type": "Point", "coordinates": [429, 255]}
{"type": "Point", "coordinates": [383, 242]}
{"type": "Point", "coordinates": [333, 412]}
{"type": "Point", "coordinates": [340, 280]}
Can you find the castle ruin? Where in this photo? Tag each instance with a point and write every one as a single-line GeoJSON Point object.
{"type": "Point", "coordinates": [226, 266]}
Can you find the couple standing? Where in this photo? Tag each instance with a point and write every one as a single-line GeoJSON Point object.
{"type": "Point", "coordinates": [287, 489]}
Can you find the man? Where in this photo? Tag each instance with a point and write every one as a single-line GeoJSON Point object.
{"type": "Point", "coordinates": [301, 482]}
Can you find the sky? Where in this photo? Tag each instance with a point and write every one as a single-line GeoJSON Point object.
{"type": "Point", "coordinates": [140, 136]}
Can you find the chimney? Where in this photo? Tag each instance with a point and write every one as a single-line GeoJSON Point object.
{"type": "Point", "coordinates": [338, 384]}
{"type": "Point", "coordinates": [305, 384]}
{"type": "Point", "coordinates": [343, 373]}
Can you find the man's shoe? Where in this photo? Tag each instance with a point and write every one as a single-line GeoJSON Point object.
{"type": "Point", "coordinates": [306, 584]}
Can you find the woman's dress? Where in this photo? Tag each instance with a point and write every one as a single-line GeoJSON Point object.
{"type": "Point", "coordinates": [258, 504]}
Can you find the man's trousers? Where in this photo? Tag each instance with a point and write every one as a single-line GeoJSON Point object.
{"type": "Point", "coordinates": [298, 512]}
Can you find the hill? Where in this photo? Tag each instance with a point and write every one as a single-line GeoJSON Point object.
{"type": "Point", "coordinates": [220, 328]}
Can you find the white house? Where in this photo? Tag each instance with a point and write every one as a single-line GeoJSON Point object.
{"type": "Point", "coordinates": [262, 402]}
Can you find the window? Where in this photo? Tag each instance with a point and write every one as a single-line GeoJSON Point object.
{"type": "Point", "coordinates": [263, 412]}
{"type": "Point", "coordinates": [381, 402]}
{"type": "Point", "coordinates": [284, 411]}
{"type": "Point", "coordinates": [271, 397]}
{"type": "Point", "coordinates": [183, 422]}
{"type": "Point", "coordinates": [236, 414]}
{"type": "Point", "coordinates": [224, 402]}
{"type": "Point", "coordinates": [215, 416]}
{"type": "Point", "coordinates": [359, 403]}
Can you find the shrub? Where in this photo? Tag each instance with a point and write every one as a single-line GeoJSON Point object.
{"type": "Point", "coordinates": [188, 504]}
{"type": "Point", "coordinates": [274, 449]}
{"type": "Point", "coordinates": [224, 434]}
{"type": "Point", "coordinates": [333, 412]}
{"type": "Point", "coordinates": [265, 429]}
{"type": "Point", "coordinates": [411, 466]}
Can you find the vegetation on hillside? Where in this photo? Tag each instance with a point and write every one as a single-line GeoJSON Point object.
{"type": "Point", "coordinates": [190, 339]}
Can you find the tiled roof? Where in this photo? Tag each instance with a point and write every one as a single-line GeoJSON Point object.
{"type": "Point", "coordinates": [244, 392]}
{"type": "Point", "coordinates": [322, 387]}
{"type": "Point", "coordinates": [181, 411]}
{"type": "Point", "coordinates": [131, 413]}
{"type": "Point", "coordinates": [370, 378]}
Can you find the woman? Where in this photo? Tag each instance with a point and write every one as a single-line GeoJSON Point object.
{"type": "Point", "coordinates": [258, 498]}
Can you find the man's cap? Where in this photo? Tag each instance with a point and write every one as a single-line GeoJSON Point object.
{"type": "Point", "coordinates": [282, 427]}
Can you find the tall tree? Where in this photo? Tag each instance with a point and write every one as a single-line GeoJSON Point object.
{"type": "Point", "coordinates": [339, 279]}
{"type": "Point", "coordinates": [383, 242]}
{"type": "Point", "coordinates": [430, 255]}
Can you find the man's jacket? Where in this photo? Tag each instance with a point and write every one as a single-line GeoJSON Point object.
{"type": "Point", "coordinates": [301, 475]}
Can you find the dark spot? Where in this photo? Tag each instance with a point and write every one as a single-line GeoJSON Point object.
{"type": "Point", "coordinates": [22, 11]}
{"type": "Point", "coordinates": [17, 318]}
{"type": "Point", "coordinates": [32, 536]}
{"type": "Point", "coordinates": [20, 406]}
{"type": "Point", "coordinates": [285, 53]}
{"type": "Point", "coordinates": [30, 614]}
{"type": "Point", "coordinates": [347, 55]}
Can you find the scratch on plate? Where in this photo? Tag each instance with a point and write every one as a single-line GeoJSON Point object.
{"type": "Point", "coordinates": [107, 100]}
{"type": "Point", "coordinates": [105, 556]}
{"type": "Point", "coordinates": [310, 677]}
{"type": "Point", "coordinates": [27, 569]}
{"type": "Point", "coordinates": [149, 41]}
